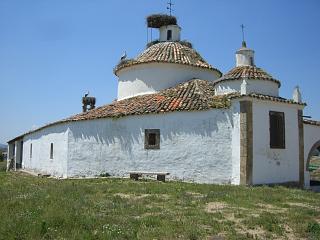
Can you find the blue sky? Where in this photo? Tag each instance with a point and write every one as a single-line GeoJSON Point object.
{"type": "Point", "coordinates": [52, 51]}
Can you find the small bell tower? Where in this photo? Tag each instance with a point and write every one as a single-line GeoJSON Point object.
{"type": "Point", "coordinates": [169, 30]}
{"type": "Point", "coordinates": [169, 33]}
{"type": "Point", "coordinates": [244, 56]}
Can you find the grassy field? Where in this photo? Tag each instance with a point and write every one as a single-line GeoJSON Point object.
{"type": "Point", "coordinates": [40, 208]}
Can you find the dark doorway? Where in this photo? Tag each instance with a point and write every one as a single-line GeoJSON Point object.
{"type": "Point", "coordinates": [314, 167]}
{"type": "Point", "coordinates": [20, 156]}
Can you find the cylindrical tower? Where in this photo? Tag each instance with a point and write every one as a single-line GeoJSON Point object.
{"type": "Point", "coordinates": [165, 63]}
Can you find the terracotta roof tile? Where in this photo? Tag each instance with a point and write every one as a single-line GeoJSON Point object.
{"type": "Point", "coordinates": [189, 96]}
{"type": "Point", "coordinates": [247, 72]}
{"type": "Point", "coordinates": [311, 122]}
{"type": "Point", "coordinates": [194, 95]}
{"type": "Point", "coordinates": [168, 52]}
{"type": "Point", "coordinates": [266, 97]}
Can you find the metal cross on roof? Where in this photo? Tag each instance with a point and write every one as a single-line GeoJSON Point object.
{"type": "Point", "coordinates": [243, 41]}
{"type": "Point", "coordinates": [169, 7]}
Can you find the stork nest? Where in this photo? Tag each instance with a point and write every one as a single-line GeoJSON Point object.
{"type": "Point", "coordinates": [122, 63]}
{"type": "Point", "coordinates": [159, 20]}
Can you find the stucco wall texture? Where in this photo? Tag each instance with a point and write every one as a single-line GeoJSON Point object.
{"type": "Point", "coordinates": [202, 147]}
{"type": "Point", "coordinates": [153, 77]}
{"type": "Point", "coordinates": [275, 165]}
{"type": "Point", "coordinates": [39, 160]}
{"type": "Point", "coordinates": [193, 147]}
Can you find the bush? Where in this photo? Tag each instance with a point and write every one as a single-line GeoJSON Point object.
{"type": "Point", "coordinates": [159, 20]}
{"type": "Point", "coordinates": [1, 157]}
{"type": "Point", "coordinates": [105, 175]}
{"type": "Point", "coordinates": [149, 44]}
{"type": "Point", "coordinates": [313, 230]}
{"type": "Point", "coordinates": [186, 43]}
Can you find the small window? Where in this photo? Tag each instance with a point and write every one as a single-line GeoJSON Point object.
{"type": "Point", "coordinates": [277, 130]}
{"type": "Point", "coordinates": [51, 151]}
{"type": "Point", "coordinates": [169, 34]}
{"type": "Point", "coordinates": [251, 61]}
{"type": "Point", "coordinates": [152, 139]}
{"type": "Point", "coordinates": [31, 150]}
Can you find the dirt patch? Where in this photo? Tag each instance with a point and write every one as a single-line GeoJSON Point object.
{"type": "Point", "coordinates": [212, 207]}
{"type": "Point", "coordinates": [270, 208]}
{"type": "Point", "coordinates": [131, 196]}
{"type": "Point", "coordinates": [304, 205]}
{"type": "Point", "coordinates": [256, 233]}
{"type": "Point", "coordinates": [195, 194]}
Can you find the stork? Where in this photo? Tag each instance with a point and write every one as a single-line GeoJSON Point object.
{"type": "Point", "coordinates": [124, 56]}
{"type": "Point", "coordinates": [86, 94]}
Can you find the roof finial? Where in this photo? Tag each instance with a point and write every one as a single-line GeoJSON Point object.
{"type": "Point", "coordinates": [243, 41]}
{"type": "Point", "coordinates": [169, 7]}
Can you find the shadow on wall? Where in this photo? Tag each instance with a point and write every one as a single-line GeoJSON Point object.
{"type": "Point", "coordinates": [128, 131]}
{"type": "Point", "coordinates": [56, 129]}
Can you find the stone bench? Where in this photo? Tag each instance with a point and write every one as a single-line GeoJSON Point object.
{"type": "Point", "coordinates": [161, 176]}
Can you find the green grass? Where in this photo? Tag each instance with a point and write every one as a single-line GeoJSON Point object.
{"type": "Point", "coordinates": [3, 166]}
{"type": "Point", "coordinates": [40, 208]}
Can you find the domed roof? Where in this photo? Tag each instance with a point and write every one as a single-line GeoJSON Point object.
{"type": "Point", "coordinates": [168, 52]}
{"type": "Point", "coordinates": [247, 72]}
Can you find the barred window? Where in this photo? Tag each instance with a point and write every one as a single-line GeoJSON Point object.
{"type": "Point", "coordinates": [31, 150]}
{"type": "Point", "coordinates": [152, 139]}
{"type": "Point", "coordinates": [277, 129]}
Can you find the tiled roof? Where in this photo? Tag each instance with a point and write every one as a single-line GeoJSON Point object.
{"type": "Point", "coordinates": [193, 95]}
{"type": "Point", "coordinates": [311, 122]}
{"type": "Point", "coordinates": [247, 72]}
{"type": "Point", "coordinates": [267, 98]}
{"type": "Point", "coordinates": [168, 52]}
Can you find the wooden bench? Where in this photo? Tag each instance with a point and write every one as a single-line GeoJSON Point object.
{"type": "Point", "coordinates": [161, 176]}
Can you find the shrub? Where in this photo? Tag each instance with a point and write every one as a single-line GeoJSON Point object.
{"type": "Point", "coordinates": [313, 230]}
{"type": "Point", "coordinates": [149, 44]}
{"type": "Point", "coordinates": [105, 175]}
{"type": "Point", "coordinates": [186, 43]}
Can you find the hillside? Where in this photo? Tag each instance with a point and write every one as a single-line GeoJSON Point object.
{"type": "Point", "coordinates": [40, 208]}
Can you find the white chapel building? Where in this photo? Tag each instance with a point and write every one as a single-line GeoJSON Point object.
{"type": "Point", "coordinates": [176, 113]}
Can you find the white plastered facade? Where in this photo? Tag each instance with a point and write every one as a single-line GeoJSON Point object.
{"type": "Point", "coordinates": [253, 86]}
{"type": "Point", "coordinates": [153, 77]}
{"type": "Point", "coordinates": [193, 147]}
{"type": "Point", "coordinates": [271, 165]}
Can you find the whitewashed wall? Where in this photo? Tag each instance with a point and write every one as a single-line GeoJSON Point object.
{"type": "Point", "coordinates": [311, 136]}
{"type": "Point", "coordinates": [175, 33]}
{"type": "Point", "coordinates": [40, 161]}
{"type": "Point", "coordinates": [236, 143]}
{"type": "Point", "coordinates": [275, 165]}
{"type": "Point", "coordinates": [153, 77]}
{"type": "Point", "coordinates": [195, 146]}
{"type": "Point", "coordinates": [253, 86]}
